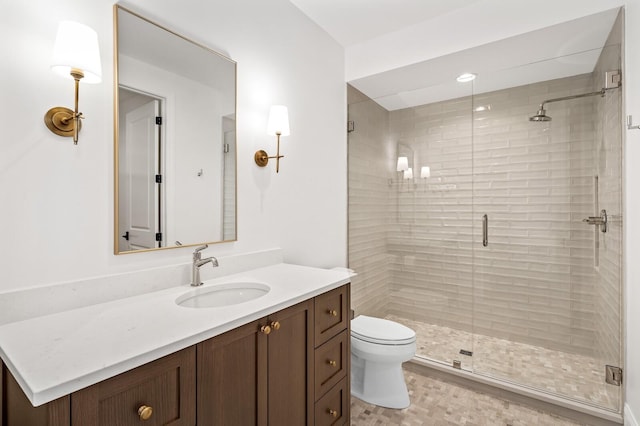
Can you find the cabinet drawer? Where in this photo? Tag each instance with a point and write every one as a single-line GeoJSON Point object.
{"type": "Point", "coordinates": [167, 386]}
{"type": "Point", "coordinates": [331, 363]}
{"type": "Point", "coordinates": [333, 408]}
{"type": "Point", "coordinates": [331, 313]}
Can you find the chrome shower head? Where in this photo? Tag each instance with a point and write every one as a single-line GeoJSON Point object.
{"type": "Point", "coordinates": [541, 115]}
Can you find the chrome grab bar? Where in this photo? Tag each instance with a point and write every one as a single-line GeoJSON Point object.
{"type": "Point", "coordinates": [600, 221]}
{"type": "Point", "coordinates": [485, 230]}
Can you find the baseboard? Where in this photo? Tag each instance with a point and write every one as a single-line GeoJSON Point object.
{"type": "Point", "coordinates": [629, 418]}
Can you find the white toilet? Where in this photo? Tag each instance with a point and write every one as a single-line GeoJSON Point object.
{"type": "Point", "coordinates": [378, 349]}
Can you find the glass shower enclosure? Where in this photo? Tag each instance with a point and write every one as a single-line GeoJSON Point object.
{"type": "Point", "coordinates": [496, 238]}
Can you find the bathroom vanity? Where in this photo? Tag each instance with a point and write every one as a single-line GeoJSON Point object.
{"type": "Point", "coordinates": [282, 358]}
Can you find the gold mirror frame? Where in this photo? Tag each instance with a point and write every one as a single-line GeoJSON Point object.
{"type": "Point", "coordinates": [228, 229]}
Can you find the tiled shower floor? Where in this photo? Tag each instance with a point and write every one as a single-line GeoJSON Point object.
{"type": "Point", "coordinates": [575, 376]}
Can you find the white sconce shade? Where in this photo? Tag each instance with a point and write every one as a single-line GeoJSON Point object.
{"type": "Point", "coordinates": [408, 174]}
{"type": "Point", "coordinates": [403, 164]}
{"type": "Point", "coordinates": [278, 123]}
{"type": "Point", "coordinates": [425, 172]}
{"type": "Point", "coordinates": [77, 48]}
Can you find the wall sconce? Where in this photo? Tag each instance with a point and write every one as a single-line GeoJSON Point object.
{"type": "Point", "coordinates": [425, 172]}
{"type": "Point", "coordinates": [278, 125]}
{"type": "Point", "coordinates": [403, 164]}
{"type": "Point", "coordinates": [408, 174]}
{"type": "Point", "coordinates": [76, 55]}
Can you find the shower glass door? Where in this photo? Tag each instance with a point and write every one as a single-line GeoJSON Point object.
{"type": "Point", "coordinates": [546, 284]}
{"type": "Point", "coordinates": [430, 240]}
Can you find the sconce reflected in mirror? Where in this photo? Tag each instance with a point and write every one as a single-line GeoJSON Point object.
{"type": "Point", "coordinates": [425, 172]}
{"type": "Point", "coordinates": [76, 54]}
{"type": "Point", "coordinates": [278, 125]}
{"type": "Point", "coordinates": [403, 164]}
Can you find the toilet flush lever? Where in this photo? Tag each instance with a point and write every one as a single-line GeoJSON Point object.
{"type": "Point", "coordinates": [600, 221]}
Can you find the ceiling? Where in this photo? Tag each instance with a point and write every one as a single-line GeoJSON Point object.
{"type": "Point", "coordinates": [555, 51]}
{"type": "Point", "coordinates": [355, 21]}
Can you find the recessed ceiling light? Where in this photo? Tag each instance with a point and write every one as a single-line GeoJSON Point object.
{"type": "Point", "coordinates": [466, 77]}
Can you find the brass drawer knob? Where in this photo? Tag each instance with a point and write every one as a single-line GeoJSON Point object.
{"type": "Point", "coordinates": [334, 413]}
{"type": "Point", "coordinates": [265, 329]}
{"type": "Point", "coordinates": [332, 363]}
{"type": "Point", "coordinates": [145, 412]}
{"type": "Point", "coordinates": [275, 325]}
{"type": "Point", "coordinates": [332, 312]}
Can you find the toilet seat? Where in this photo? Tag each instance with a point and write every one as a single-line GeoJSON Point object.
{"type": "Point", "coordinates": [381, 331]}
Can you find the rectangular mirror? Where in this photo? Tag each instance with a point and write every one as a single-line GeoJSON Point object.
{"type": "Point", "coordinates": [174, 139]}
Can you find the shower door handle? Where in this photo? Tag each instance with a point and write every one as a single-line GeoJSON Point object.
{"type": "Point", "coordinates": [485, 230]}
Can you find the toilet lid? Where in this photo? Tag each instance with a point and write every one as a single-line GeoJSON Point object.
{"type": "Point", "coordinates": [382, 331]}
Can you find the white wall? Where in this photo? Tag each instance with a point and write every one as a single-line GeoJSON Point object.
{"type": "Point", "coordinates": [632, 213]}
{"type": "Point", "coordinates": [56, 199]}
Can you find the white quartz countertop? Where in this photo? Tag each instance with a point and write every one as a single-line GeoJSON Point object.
{"type": "Point", "coordinates": [54, 355]}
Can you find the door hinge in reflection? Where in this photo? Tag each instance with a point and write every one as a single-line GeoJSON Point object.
{"type": "Point", "coordinates": [158, 236]}
{"type": "Point", "coordinates": [613, 375]}
{"type": "Point", "coordinates": [226, 148]}
{"type": "Point", "coordinates": [159, 121]}
{"type": "Point", "coordinates": [158, 178]}
{"type": "Point", "coordinates": [351, 126]}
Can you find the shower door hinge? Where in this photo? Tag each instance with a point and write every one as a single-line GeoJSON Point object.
{"type": "Point", "coordinates": [613, 375]}
{"type": "Point", "coordinates": [351, 126]}
{"type": "Point", "coordinates": [612, 79]}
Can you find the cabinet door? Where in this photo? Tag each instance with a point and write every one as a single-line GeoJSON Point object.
{"type": "Point", "coordinates": [290, 377]}
{"type": "Point", "coordinates": [232, 377]}
{"type": "Point", "coordinates": [166, 386]}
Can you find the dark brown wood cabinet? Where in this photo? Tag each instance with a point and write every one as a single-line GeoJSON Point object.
{"type": "Point", "coordinates": [260, 373]}
{"type": "Point", "coordinates": [288, 368]}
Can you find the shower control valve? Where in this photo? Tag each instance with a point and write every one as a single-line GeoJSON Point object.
{"type": "Point", "coordinates": [600, 221]}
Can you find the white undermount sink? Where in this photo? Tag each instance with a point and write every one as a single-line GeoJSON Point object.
{"type": "Point", "coordinates": [219, 295]}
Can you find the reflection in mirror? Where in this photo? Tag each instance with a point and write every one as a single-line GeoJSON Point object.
{"type": "Point", "coordinates": [175, 139]}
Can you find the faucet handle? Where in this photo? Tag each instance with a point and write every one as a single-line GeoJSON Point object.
{"type": "Point", "coordinates": [196, 252]}
{"type": "Point", "coordinates": [201, 248]}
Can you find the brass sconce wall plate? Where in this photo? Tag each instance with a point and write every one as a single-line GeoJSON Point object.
{"type": "Point", "coordinates": [261, 157]}
{"type": "Point", "coordinates": [60, 121]}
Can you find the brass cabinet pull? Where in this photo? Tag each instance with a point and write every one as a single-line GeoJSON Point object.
{"type": "Point", "coordinates": [332, 312]}
{"type": "Point", "coordinates": [332, 363]}
{"type": "Point", "coordinates": [334, 413]}
{"type": "Point", "coordinates": [145, 412]}
{"type": "Point", "coordinates": [275, 325]}
{"type": "Point", "coordinates": [265, 329]}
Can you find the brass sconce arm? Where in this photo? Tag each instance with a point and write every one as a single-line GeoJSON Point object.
{"type": "Point", "coordinates": [262, 158]}
{"type": "Point", "coordinates": [63, 121]}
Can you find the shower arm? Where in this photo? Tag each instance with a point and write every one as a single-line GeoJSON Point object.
{"type": "Point", "coordinates": [583, 95]}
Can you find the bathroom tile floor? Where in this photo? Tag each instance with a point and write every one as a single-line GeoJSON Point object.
{"type": "Point", "coordinates": [579, 377]}
{"type": "Point", "coordinates": [438, 403]}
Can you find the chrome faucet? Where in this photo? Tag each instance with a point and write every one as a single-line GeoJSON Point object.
{"type": "Point", "coordinates": [197, 263]}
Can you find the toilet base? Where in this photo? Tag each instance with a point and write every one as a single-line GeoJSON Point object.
{"type": "Point", "coordinates": [379, 383]}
